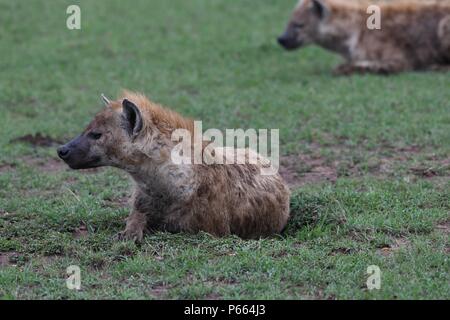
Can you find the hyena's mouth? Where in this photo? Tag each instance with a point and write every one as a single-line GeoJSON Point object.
{"type": "Point", "coordinates": [77, 154]}
{"type": "Point", "coordinates": [289, 43]}
{"type": "Point", "coordinates": [78, 160]}
{"type": "Point", "coordinates": [89, 164]}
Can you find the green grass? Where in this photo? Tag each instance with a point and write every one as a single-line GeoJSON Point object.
{"type": "Point", "coordinates": [218, 61]}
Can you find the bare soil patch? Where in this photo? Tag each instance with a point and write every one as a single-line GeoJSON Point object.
{"type": "Point", "coordinates": [344, 160]}
{"type": "Point", "coordinates": [396, 245]}
{"type": "Point", "coordinates": [436, 169]}
{"type": "Point", "coordinates": [342, 250]}
{"type": "Point", "coordinates": [45, 164]}
{"type": "Point", "coordinates": [159, 291]}
{"type": "Point", "coordinates": [38, 140]}
{"type": "Point", "coordinates": [118, 202]}
{"type": "Point", "coordinates": [8, 258]}
{"type": "Point", "coordinates": [52, 164]}
{"type": "Point", "coordinates": [444, 227]}
{"type": "Point", "coordinates": [213, 296]}
{"type": "Point", "coordinates": [7, 167]}
{"type": "Point", "coordinates": [4, 213]}
{"type": "Point", "coordinates": [298, 170]}
{"type": "Point", "coordinates": [80, 232]}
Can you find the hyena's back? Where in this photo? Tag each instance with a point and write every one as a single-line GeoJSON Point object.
{"type": "Point", "coordinates": [417, 33]}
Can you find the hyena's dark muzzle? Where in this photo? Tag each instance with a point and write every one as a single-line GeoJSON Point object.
{"type": "Point", "coordinates": [289, 40]}
{"type": "Point", "coordinates": [77, 154]}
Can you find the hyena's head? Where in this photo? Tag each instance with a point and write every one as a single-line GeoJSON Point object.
{"type": "Point", "coordinates": [107, 140]}
{"type": "Point", "coordinates": [304, 26]}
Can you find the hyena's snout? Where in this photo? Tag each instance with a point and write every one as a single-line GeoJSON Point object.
{"type": "Point", "coordinates": [70, 149]}
{"type": "Point", "coordinates": [288, 40]}
{"type": "Point", "coordinates": [284, 41]}
{"type": "Point", "coordinates": [77, 154]}
{"type": "Point", "coordinates": [63, 152]}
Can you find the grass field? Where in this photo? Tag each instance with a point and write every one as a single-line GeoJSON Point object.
{"type": "Point", "coordinates": [368, 157]}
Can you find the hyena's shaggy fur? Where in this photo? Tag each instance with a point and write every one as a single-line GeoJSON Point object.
{"type": "Point", "coordinates": [218, 199]}
{"type": "Point", "coordinates": [414, 34]}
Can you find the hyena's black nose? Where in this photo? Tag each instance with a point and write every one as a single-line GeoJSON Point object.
{"type": "Point", "coordinates": [63, 152]}
{"type": "Point", "coordinates": [287, 42]}
{"type": "Point", "coordinates": [282, 41]}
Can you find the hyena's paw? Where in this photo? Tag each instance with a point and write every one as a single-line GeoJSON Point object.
{"type": "Point", "coordinates": [364, 67]}
{"type": "Point", "coordinates": [345, 69]}
{"type": "Point", "coordinates": [439, 68]}
{"type": "Point", "coordinates": [130, 234]}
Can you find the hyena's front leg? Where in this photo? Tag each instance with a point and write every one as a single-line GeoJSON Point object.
{"type": "Point", "coordinates": [377, 67]}
{"type": "Point", "coordinates": [135, 228]}
{"type": "Point", "coordinates": [444, 37]}
{"type": "Point", "coordinates": [440, 67]}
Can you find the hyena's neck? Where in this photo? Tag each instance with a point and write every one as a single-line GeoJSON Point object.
{"type": "Point", "coordinates": [159, 176]}
{"type": "Point", "coordinates": [175, 183]}
{"type": "Point", "coordinates": [341, 36]}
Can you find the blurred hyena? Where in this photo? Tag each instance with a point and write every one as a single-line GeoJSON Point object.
{"type": "Point", "coordinates": [414, 35]}
{"type": "Point", "coordinates": [135, 135]}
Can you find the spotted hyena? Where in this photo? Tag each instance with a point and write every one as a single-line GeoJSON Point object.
{"type": "Point", "coordinates": [413, 34]}
{"type": "Point", "coordinates": [135, 135]}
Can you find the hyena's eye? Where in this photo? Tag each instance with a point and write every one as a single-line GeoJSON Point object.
{"type": "Point", "coordinates": [94, 135]}
{"type": "Point", "coordinates": [298, 25]}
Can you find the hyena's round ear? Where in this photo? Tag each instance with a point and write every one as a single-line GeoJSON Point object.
{"type": "Point", "coordinates": [132, 117]}
{"type": "Point", "coordinates": [106, 101]}
{"type": "Point", "coordinates": [320, 8]}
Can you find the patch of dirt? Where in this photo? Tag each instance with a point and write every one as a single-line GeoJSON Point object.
{"type": "Point", "coordinates": [4, 213]}
{"type": "Point", "coordinates": [48, 259]}
{"type": "Point", "coordinates": [45, 164]}
{"type": "Point", "coordinates": [388, 249]}
{"type": "Point", "coordinates": [80, 232]}
{"type": "Point", "coordinates": [6, 167]}
{"type": "Point", "coordinates": [317, 294]}
{"type": "Point", "coordinates": [8, 258]}
{"type": "Point", "coordinates": [276, 255]}
{"type": "Point", "coordinates": [341, 250]}
{"type": "Point", "coordinates": [159, 291]}
{"type": "Point", "coordinates": [4, 260]}
{"type": "Point", "coordinates": [213, 296]}
{"type": "Point", "coordinates": [52, 165]}
{"type": "Point", "coordinates": [345, 160]}
{"type": "Point", "coordinates": [219, 281]}
{"type": "Point", "coordinates": [41, 262]}
{"type": "Point", "coordinates": [38, 140]}
{"type": "Point", "coordinates": [298, 170]}
{"type": "Point", "coordinates": [437, 169]}
{"type": "Point", "coordinates": [444, 227]}
{"type": "Point", "coordinates": [119, 202]}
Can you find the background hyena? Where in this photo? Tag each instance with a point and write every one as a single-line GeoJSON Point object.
{"type": "Point", "coordinates": [134, 134]}
{"type": "Point", "coordinates": [414, 35]}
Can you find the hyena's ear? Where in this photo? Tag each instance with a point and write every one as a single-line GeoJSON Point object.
{"type": "Point", "coordinates": [320, 8]}
{"type": "Point", "coordinates": [132, 117]}
{"type": "Point", "coordinates": [105, 100]}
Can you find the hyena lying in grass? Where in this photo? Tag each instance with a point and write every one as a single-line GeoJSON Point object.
{"type": "Point", "coordinates": [414, 35]}
{"type": "Point", "coordinates": [134, 134]}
